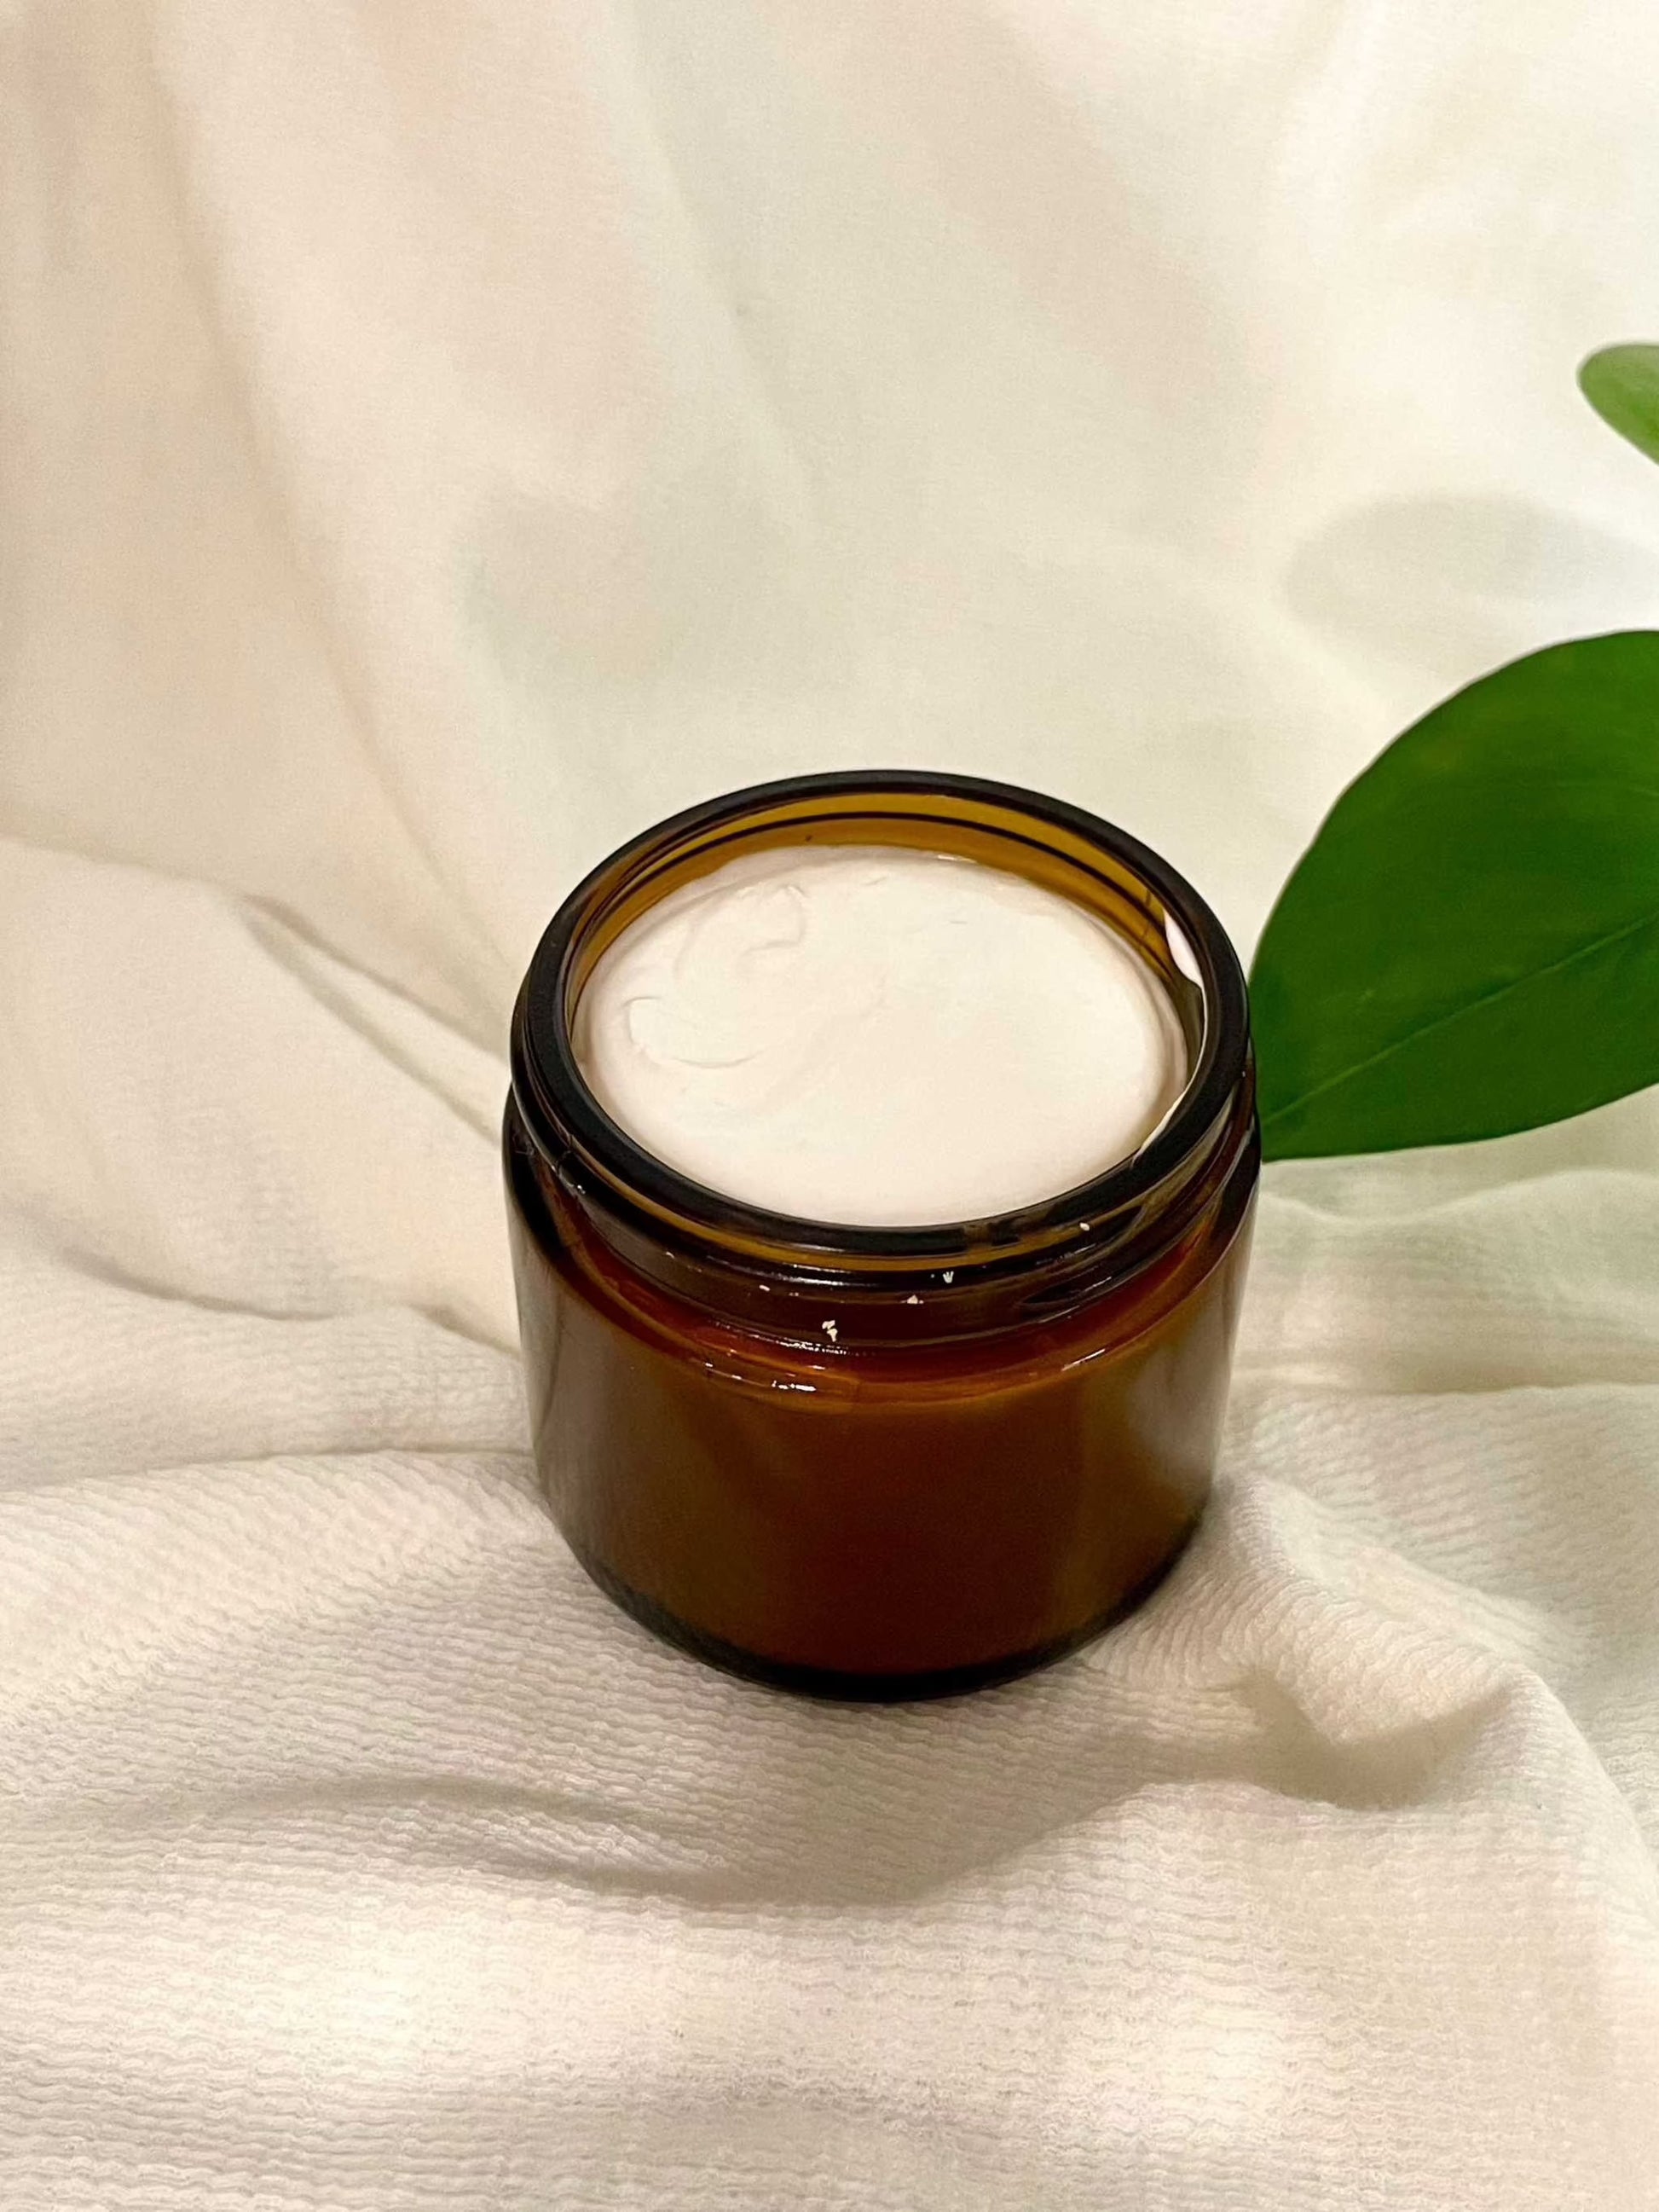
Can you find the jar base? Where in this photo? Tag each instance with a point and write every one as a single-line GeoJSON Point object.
{"type": "Point", "coordinates": [832, 1685]}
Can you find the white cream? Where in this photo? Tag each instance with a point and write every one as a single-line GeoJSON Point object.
{"type": "Point", "coordinates": [870, 1034]}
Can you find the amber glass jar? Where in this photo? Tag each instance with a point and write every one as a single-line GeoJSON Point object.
{"type": "Point", "coordinates": [880, 1463]}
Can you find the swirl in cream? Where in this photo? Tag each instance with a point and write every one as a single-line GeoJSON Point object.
{"type": "Point", "coordinates": [880, 1037]}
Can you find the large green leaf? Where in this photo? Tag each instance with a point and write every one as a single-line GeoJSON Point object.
{"type": "Point", "coordinates": [1621, 383]}
{"type": "Point", "coordinates": [1471, 943]}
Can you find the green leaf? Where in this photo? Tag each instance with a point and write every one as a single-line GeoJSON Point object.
{"type": "Point", "coordinates": [1621, 383]}
{"type": "Point", "coordinates": [1471, 943]}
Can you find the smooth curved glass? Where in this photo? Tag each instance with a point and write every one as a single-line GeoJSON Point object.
{"type": "Point", "coordinates": [880, 1463]}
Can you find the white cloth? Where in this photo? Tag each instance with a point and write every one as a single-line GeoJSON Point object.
{"type": "Point", "coordinates": [438, 436]}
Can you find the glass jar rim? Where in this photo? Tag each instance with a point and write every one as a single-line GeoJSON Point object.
{"type": "Point", "coordinates": [555, 1102]}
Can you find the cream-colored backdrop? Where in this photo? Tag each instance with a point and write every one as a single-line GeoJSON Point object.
{"type": "Point", "coordinates": [437, 436]}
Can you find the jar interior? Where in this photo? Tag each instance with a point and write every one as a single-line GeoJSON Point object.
{"type": "Point", "coordinates": [1046, 855]}
{"type": "Point", "coordinates": [1101, 870]}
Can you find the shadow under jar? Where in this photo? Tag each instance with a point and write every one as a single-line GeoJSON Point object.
{"type": "Point", "coordinates": [1011, 1435]}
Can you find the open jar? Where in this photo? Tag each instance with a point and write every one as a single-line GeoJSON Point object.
{"type": "Point", "coordinates": [881, 1462]}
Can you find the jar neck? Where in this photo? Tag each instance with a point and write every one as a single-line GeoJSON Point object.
{"type": "Point", "coordinates": [613, 1202]}
{"type": "Point", "coordinates": [979, 1291]}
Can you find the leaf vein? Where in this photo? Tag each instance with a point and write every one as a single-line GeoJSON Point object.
{"type": "Point", "coordinates": [1458, 1013]}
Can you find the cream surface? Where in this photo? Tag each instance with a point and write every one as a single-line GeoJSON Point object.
{"type": "Point", "coordinates": [867, 1035]}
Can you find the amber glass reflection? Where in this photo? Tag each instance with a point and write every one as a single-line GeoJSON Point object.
{"type": "Point", "coordinates": [880, 1463]}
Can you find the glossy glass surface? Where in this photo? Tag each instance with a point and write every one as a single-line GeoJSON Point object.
{"type": "Point", "coordinates": [895, 1463]}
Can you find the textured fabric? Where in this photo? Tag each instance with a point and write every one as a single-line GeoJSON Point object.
{"type": "Point", "coordinates": [436, 437]}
